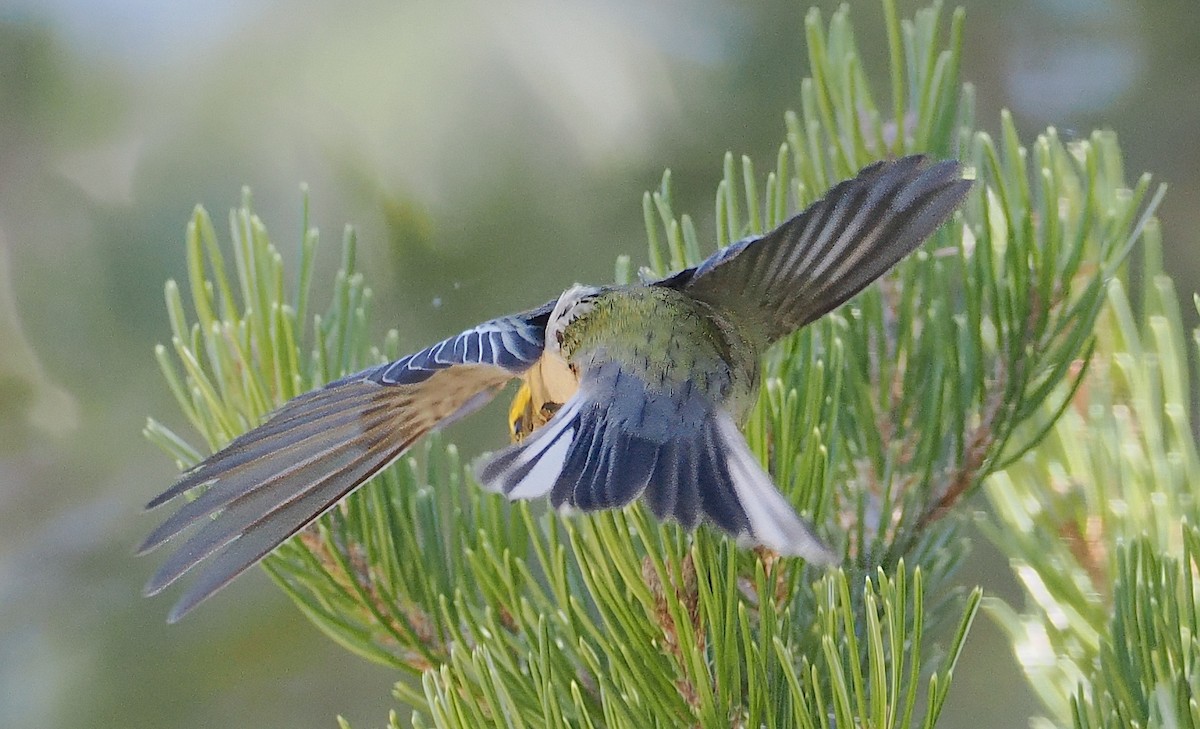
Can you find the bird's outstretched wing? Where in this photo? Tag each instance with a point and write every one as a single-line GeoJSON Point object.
{"type": "Point", "coordinates": [818, 259]}
{"type": "Point", "coordinates": [274, 480]}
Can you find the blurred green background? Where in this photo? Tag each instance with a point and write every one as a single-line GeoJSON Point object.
{"type": "Point", "coordinates": [490, 155]}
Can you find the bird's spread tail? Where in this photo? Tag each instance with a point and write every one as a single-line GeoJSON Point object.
{"type": "Point", "coordinates": [586, 458]}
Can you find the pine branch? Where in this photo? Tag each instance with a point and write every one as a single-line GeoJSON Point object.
{"type": "Point", "coordinates": [878, 421]}
{"type": "Point", "coordinates": [1097, 522]}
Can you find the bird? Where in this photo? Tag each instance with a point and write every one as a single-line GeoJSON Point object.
{"type": "Point", "coordinates": [641, 390]}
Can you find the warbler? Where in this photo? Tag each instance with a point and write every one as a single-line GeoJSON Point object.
{"type": "Point", "coordinates": [647, 385]}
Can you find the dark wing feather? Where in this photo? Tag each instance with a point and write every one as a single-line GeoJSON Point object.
{"type": "Point", "coordinates": [272, 481]}
{"type": "Point", "coordinates": [823, 256]}
{"type": "Point", "coordinates": [511, 343]}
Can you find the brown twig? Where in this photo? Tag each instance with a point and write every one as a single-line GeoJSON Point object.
{"type": "Point", "coordinates": [687, 592]}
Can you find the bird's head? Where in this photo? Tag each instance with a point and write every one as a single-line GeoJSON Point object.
{"type": "Point", "coordinates": [574, 303]}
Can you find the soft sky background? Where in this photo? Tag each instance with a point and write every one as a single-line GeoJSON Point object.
{"type": "Point", "coordinates": [490, 154]}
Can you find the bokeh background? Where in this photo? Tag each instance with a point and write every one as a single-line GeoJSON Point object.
{"type": "Point", "coordinates": [489, 154]}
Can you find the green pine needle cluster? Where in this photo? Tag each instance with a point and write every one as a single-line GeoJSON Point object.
{"type": "Point", "coordinates": [1100, 524]}
{"type": "Point", "coordinates": [967, 365]}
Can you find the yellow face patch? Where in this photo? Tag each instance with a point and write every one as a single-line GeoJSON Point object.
{"type": "Point", "coordinates": [520, 414]}
{"type": "Point", "coordinates": [544, 389]}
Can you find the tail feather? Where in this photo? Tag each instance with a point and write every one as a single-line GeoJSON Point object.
{"type": "Point", "coordinates": [684, 494]}
{"type": "Point", "coordinates": [773, 521]}
{"type": "Point", "coordinates": [719, 500]}
{"type": "Point", "coordinates": [530, 469]}
{"type": "Point", "coordinates": [580, 459]}
{"type": "Point", "coordinates": [674, 467]}
{"type": "Point", "coordinates": [621, 475]}
{"type": "Point", "coordinates": [590, 440]}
